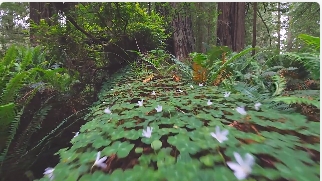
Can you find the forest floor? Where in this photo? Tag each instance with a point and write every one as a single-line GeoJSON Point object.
{"type": "Point", "coordinates": [181, 136]}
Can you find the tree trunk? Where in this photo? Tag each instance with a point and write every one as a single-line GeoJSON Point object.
{"type": "Point", "coordinates": [231, 25]}
{"type": "Point", "coordinates": [289, 35]}
{"type": "Point", "coordinates": [182, 36]}
{"type": "Point", "coordinates": [199, 25]}
{"type": "Point", "coordinates": [254, 27]}
{"type": "Point", "coordinates": [279, 27]}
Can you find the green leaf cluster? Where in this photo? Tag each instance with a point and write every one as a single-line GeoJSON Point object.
{"type": "Point", "coordinates": [180, 146]}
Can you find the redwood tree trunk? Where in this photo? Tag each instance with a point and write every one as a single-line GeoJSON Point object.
{"type": "Point", "coordinates": [182, 26]}
{"type": "Point", "coordinates": [231, 25]}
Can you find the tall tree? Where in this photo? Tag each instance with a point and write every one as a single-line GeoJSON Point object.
{"type": "Point", "coordinates": [182, 27]}
{"type": "Point", "coordinates": [231, 25]}
{"type": "Point", "coordinates": [278, 27]}
{"type": "Point", "coordinates": [254, 27]}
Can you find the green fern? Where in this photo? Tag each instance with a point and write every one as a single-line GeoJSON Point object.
{"type": "Point", "coordinates": [7, 114]}
{"type": "Point", "coordinates": [19, 68]}
{"type": "Point", "coordinates": [311, 41]}
{"type": "Point", "coordinates": [297, 100]}
{"type": "Point", "coordinates": [215, 72]}
{"type": "Point", "coordinates": [280, 85]}
{"type": "Point", "coordinates": [11, 133]}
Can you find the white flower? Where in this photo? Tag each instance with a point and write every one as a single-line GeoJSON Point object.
{"type": "Point", "coordinates": [220, 136]}
{"type": "Point", "coordinates": [179, 90]}
{"type": "Point", "coordinates": [108, 111]}
{"type": "Point", "coordinates": [191, 86]}
{"type": "Point", "coordinates": [99, 162]}
{"type": "Point", "coordinates": [148, 132]}
{"type": "Point", "coordinates": [49, 172]}
{"type": "Point", "coordinates": [241, 110]}
{"type": "Point", "coordinates": [243, 167]}
{"type": "Point", "coordinates": [209, 103]}
{"type": "Point", "coordinates": [140, 103]}
{"type": "Point", "coordinates": [153, 93]}
{"type": "Point", "coordinates": [200, 84]}
{"type": "Point", "coordinates": [158, 108]}
{"type": "Point", "coordinates": [257, 105]}
{"type": "Point", "coordinates": [76, 134]}
{"type": "Point", "coordinates": [112, 89]}
{"type": "Point", "coordinates": [226, 94]}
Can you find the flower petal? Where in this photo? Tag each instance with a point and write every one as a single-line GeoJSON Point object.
{"type": "Point", "coordinates": [240, 174]}
{"type": "Point", "coordinates": [98, 156]}
{"type": "Point", "coordinates": [249, 160]}
{"type": "Point", "coordinates": [217, 130]}
{"type": "Point", "coordinates": [102, 165]}
{"type": "Point", "coordinates": [224, 132]}
{"type": "Point", "coordinates": [213, 135]}
{"type": "Point", "coordinates": [238, 158]}
{"type": "Point", "coordinates": [234, 166]}
{"type": "Point", "coordinates": [223, 138]}
{"type": "Point", "coordinates": [49, 170]}
{"type": "Point", "coordinates": [102, 160]}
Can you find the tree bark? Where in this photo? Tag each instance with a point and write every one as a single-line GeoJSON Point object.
{"type": "Point", "coordinates": [182, 36]}
{"type": "Point", "coordinates": [289, 35]}
{"type": "Point", "coordinates": [254, 27]}
{"type": "Point", "coordinates": [279, 27]}
{"type": "Point", "coordinates": [231, 25]}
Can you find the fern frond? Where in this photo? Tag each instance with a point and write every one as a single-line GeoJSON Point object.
{"type": "Point", "coordinates": [310, 40]}
{"type": "Point", "coordinates": [27, 59]}
{"type": "Point", "coordinates": [13, 87]}
{"type": "Point", "coordinates": [250, 91]}
{"type": "Point", "coordinates": [280, 84]}
{"type": "Point", "coordinates": [225, 65]}
{"type": "Point", "coordinates": [7, 115]}
{"type": "Point", "coordinates": [24, 138]}
{"type": "Point", "coordinates": [8, 60]}
{"type": "Point", "coordinates": [12, 132]}
{"type": "Point", "coordinates": [298, 100]}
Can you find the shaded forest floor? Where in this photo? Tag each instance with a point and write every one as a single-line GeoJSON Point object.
{"type": "Point", "coordinates": [182, 132]}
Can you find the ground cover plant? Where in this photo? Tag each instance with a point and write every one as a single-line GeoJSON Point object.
{"type": "Point", "coordinates": [168, 129]}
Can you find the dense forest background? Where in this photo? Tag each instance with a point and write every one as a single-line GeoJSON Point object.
{"type": "Point", "coordinates": [57, 58]}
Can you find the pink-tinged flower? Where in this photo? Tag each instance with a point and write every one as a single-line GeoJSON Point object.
{"type": "Point", "coordinates": [158, 108]}
{"type": "Point", "coordinates": [257, 105]}
{"type": "Point", "coordinates": [140, 103]}
{"type": "Point", "coordinates": [241, 110]}
{"type": "Point", "coordinates": [99, 162]}
{"type": "Point", "coordinates": [147, 133]}
{"type": "Point", "coordinates": [221, 136]}
{"type": "Point", "coordinates": [226, 94]}
{"type": "Point", "coordinates": [108, 111]}
{"type": "Point", "coordinates": [243, 167]}
{"type": "Point", "coordinates": [49, 172]}
{"type": "Point", "coordinates": [209, 103]}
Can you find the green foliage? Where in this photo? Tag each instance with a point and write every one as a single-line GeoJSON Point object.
{"type": "Point", "coordinates": [160, 61]}
{"type": "Point", "coordinates": [217, 60]}
{"type": "Point", "coordinates": [310, 59]}
{"type": "Point", "coordinates": [181, 146]}
{"type": "Point", "coordinates": [23, 73]}
{"type": "Point", "coordinates": [312, 41]}
{"type": "Point", "coordinates": [298, 100]}
{"type": "Point", "coordinates": [279, 83]}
